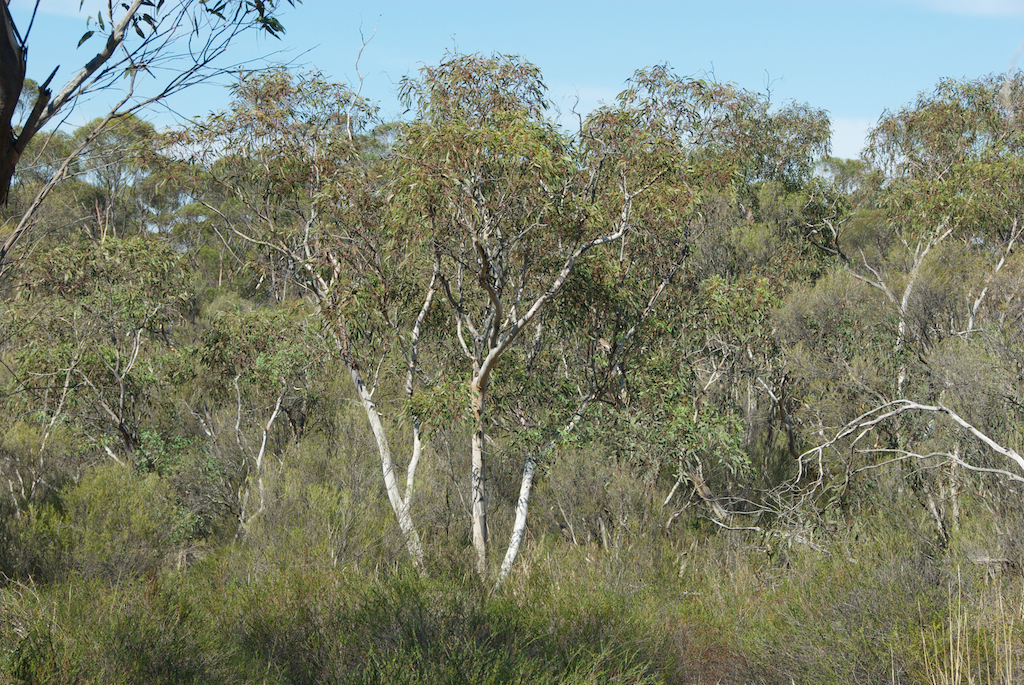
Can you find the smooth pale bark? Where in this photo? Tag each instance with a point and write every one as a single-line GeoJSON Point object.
{"type": "Point", "coordinates": [319, 265]}
{"type": "Point", "coordinates": [399, 504]}
{"type": "Point", "coordinates": [523, 503]}
{"type": "Point", "coordinates": [866, 422]}
{"type": "Point", "coordinates": [519, 527]}
{"type": "Point", "coordinates": [322, 287]}
{"type": "Point", "coordinates": [244, 517]}
{"type": "Point", "coordinates": [530, 469]}
{"type": "Point", "coordinates": [496, 340]}
{"type": "Point", "coordinates": [118, 412]}
{"type": "Point", "coordinates": [479, 500]}
{"type": "Point", "coordinates": [412, 365]}
{"type": "Point", "coordinates": [920, 253]}
{"type": "Point", "coordinates": [1015, 232]}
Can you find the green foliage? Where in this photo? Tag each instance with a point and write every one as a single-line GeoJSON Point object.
{"type": "Point", "coordinates": [136, 283]}
{"type": "Point", "coordinates": [295, 631]}
{"type": "Point", "coordinates": [122, 523]}
{"type": "Point", "coordinates": [720, 611]}
{"type": "Point", "coordinates": [710, 435]}
{"type": "Point", "coordinates": [157, 526]}
{"type": "Point", "coordinates": [953, 157]}
{"type": "Point", "coordinates": [277, 196]}
{"type": "Point", "coordinates": [738, 310]}
{"type": "Point", "coordinates": [94, 329]}
{"type": "Point", "coordinates": [588, 498]}
{"type": "Point", "coordinates": [263, 349]}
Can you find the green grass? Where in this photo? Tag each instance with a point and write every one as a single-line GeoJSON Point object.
{"type": "Point", "coordinates": [320, 591]}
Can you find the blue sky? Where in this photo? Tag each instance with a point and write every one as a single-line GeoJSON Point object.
{"type": "Point", "coordinates": [854, 58]}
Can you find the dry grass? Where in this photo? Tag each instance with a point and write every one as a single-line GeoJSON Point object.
{"type": "Point", "coordinates": [976, 645]}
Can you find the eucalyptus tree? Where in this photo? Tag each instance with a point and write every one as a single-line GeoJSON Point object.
{"type": "Point", "coordinates": [124, 197]}
{"type": "Point", "coordinates": [933, 283]}
{"type": "Point", "coordinates": [953, 163]}
{"type": "Point", "coordinates": [479, 211]}
{"type": "Point", "coordinates": [254, 369]}
{"type": "Point", "coordinates": [88, 357]}
{"type": "Point", "coordinates": [517, 210]}
{"type": "Point", "coordinates": [151, 49]}
{"type": "Point", "coordinates": [749, 169]}
{"type": "Point", "coordinates": [292, 176]}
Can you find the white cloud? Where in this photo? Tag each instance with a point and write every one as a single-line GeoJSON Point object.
{"type": "Point", "coordinates": [848, 136]}
{"type": "Point", "coordinates": [983, 8]}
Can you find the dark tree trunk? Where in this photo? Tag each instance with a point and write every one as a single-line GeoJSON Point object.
{"type": "Point", "coordinates": [12, 82]}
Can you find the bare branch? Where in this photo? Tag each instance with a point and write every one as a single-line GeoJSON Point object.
{"type": "Point", "coordinates": [868, 420]}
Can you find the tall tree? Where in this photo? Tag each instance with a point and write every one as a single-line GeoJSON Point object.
{"type": "Point", "coordinates": [514, 206]}
{"type": "Point", "coordinates": [929, 370]}
{"type": "Point", "coordinates": [303, 187]}
{"type": "Point", "coordinates": [141, 40]}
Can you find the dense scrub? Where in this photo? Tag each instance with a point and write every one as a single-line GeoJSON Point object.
{"type": "Point", "coordinates": [273, 411]}
{"type": "Point", "coordinates": [723, 609]}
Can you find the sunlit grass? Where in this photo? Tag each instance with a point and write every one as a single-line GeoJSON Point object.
{"type": "Point", "coordinates": [974, 645]}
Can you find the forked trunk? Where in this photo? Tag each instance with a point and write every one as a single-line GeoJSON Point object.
{"type": "Point", "coordinates": [398, 504]}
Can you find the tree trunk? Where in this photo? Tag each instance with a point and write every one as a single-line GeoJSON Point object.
{"type": "Point", "coordinates": [519, 528]}
{"type": "Point", "coordinates": [523, 504]}
{"type": "Point", "coordinates": [12, 80]}
{"type": "Point", "coordinates": [398, 504]}
{"type": "Point", "coordinates": [478, 390]}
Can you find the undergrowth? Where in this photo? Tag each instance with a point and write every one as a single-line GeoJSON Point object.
{"type": "Point", "coordinates": [572, 615]}
{"type": "Point", "coordinates": [319, 590]}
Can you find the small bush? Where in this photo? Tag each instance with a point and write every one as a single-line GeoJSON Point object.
{"type": "Point", "coordinates": [121, 523]}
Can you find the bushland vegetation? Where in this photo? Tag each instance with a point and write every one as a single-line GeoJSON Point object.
{"type": "Point", "coordinates": [292, 394]}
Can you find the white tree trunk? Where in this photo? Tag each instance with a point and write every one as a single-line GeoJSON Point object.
{"type": "Point", "coordinates": [519, 528]}
{"type": "Point", "coordinates": [244, 517]}
{"type": "Point", "coordinates": [398, 504]}
{"type": "Point", "coordinates": [523, 504]}
{"type": "Point", "coordinates": [479, 500]}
